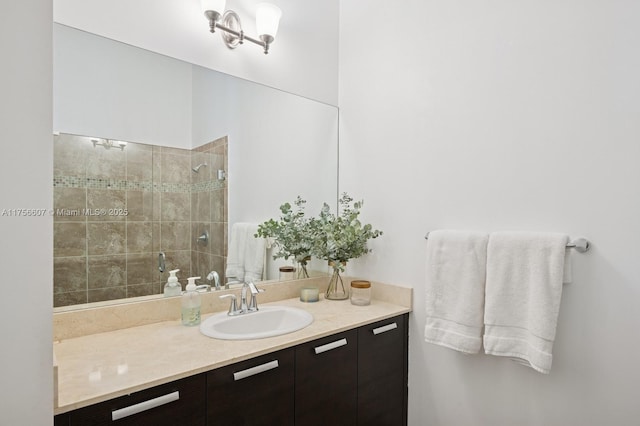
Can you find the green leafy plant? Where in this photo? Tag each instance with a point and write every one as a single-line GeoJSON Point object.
{"type": "Point", "coordinates": [292, 234]}
{"type": "Point", "coordinates": [339, 238]}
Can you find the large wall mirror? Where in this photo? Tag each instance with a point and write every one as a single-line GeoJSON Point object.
{"type": "Point", "coordinates": [155, 159]}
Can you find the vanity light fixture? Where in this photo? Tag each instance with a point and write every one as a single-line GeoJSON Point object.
{"type": "Point", "coordinates": [267, 20]}
{"type": "Point", "coordinates": [108, 143]}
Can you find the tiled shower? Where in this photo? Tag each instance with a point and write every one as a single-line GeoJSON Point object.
{"type": "Point", "coordinates": [117, 208]}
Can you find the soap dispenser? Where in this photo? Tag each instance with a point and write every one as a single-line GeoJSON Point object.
{"type": "Point", "coordinates": [191, 303]}
{"type": "Point", "coordinates": [172, 287]}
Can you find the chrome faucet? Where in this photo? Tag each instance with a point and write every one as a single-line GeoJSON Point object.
{"type": "Point", "coordinates": [245, 307]}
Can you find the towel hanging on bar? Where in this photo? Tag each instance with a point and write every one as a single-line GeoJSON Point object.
{"type": "Point", "coordinates": [581, 245]}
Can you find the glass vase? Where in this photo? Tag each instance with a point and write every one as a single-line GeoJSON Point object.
{"type": "Point", "coordinates": [302, 268]}
{"type": "Point", "coordinates": [336, 289]}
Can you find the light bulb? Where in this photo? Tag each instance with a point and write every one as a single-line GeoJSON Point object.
{"type": "Point", "coordinates": [267, 19]}
{"type": "Point", "coordinates": [214, 5]}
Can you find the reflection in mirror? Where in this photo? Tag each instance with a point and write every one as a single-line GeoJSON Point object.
{"type": "Point", "coordinates": [125, 216]}
{"type": "Point", "coordinates": [261, 146]}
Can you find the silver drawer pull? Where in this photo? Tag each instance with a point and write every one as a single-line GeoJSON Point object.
{"type": "Point", "coordinates": [255, 370]}
{"type": "Point", "coordinates": [384, 328]}
{"type": "Point", "coordinates": [329, 346]}
{"type": "Point", "coordinates": [144, 406]}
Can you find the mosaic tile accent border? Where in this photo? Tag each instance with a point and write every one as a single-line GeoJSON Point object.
{"type": "Point", "coordinates": [99, 183]}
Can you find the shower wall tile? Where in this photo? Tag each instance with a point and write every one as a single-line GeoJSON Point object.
{"type": "Point", "coordinates": [107, 163]}
{"type": "Point", "coordinates": [139, 162]}
{"type": "Point", "coordinates": [69, 155]}
{"type": "Point", "coordinates": [156, 163]}
{"type": "Point", "coordinates": [175, 207]}
{"type": "Point", "coordinates": [176, 151]}
{"type": "Point", "coordinates": [204, 265]}
{"type": "Point", "coordinates": [140, 268]}
{"type": "Point", "coordinates": [103, 294]}
{"type": "Point", "coordinates": [140, 205]}
{"type": "Point", "coordinates": [217, 235]}
{"type": "Point", "coordinates": [69, 204]}
{"type": "Point", "coordinates": [157, 237]}
{"type": "Point", "coordinates": [139, 237]}
{"type": "Point", "coordinates": [146, 289]}
{"type": "Point", "coordinates": [176, 235]}
{"type": "Point", "coordinates": [201, 206]}
{"type": "Point", "coordinates": [110, 203]}
{"type": "Point", "coordinates": [157, 205]}
{"type": "Point", "coordinates": [217, 206]}
{"type": "Point", "coordinates": [71, 298]}
{"type": "Point", "coordinates": [107, 271]}
{"type": "Point", "coordinates": [69, 239]}
{"type": "Point", "coordinates": [218, 265]}
{"type": "Point", "coordinates": [218, 155]}
{"type": "Point", "coordinates": [70, 274]}
{"type": "Point", "coordinates": [175, 168]}
{"type": "Point", "coordinates": [106, 238]}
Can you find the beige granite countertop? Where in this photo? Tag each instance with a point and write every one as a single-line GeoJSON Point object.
{"type": "Point", "coordinates": [97, 367]}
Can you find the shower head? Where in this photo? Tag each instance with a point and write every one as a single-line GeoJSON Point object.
{"type": "Point", "coordinates": [197, 168]}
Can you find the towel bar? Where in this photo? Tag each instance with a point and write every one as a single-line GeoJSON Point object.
{"type": "Point", "coordinates": [581, 245]}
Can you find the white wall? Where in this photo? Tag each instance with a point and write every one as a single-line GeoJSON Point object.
{"type": "Point", "coordinates": [493, 115]}
{"type": "Point", "coordinates": [280, 146]}
{"type": "Point", "coordinates": [26, 250]}
{"type": "Point", "coordinates": [116, 91]}
{"type": "Point", "coordinates": [303, 59]}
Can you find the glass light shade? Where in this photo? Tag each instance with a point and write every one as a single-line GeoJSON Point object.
{"type": "Point", "coordinates": [215, 5]}
{"type": "Point", "coordinates": [267, 19]}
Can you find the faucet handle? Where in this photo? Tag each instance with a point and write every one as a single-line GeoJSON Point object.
{"type": "Point", "coordinates": [233, 307]}
{"type": "Point", "coordinates": [252, 287]}
{"type": "Point", "coordinates": [253, 303]}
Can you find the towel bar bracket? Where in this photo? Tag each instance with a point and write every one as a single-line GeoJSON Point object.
{"type": "Point", "coordinates": [582, 245]}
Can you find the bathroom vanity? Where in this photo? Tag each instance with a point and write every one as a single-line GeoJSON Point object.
{"type": "Point", "coordinates": [349, 367]}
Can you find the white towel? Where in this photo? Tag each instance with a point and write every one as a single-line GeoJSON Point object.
{"type": "Point", "coordinates": [456, 263]}
{"type": "Point", "coordinates": [246, 253]}
{"type": "Point", "coordinates": [254, 255]}
{"type": "Point", "coordinates": [522, 299]}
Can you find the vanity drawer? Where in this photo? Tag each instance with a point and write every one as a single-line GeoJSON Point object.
{"type": "Point", "coordinates": [255, 392]}
{"type": "Point", "coordinates": [177, 403]}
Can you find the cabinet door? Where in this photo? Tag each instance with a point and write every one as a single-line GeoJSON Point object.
{"type": "Point", "coordinates": [326, 381]}
{"type": "Point", "coordinates": [382, 373]}
{"type": "Point", "coordinates": [255, 392]}
{"type": "Point", "coordinates": [61, 420]}
{"type": "Point", "coordinates": [177, 403]}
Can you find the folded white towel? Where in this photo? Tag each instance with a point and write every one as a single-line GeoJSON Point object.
{"type": "Point", "coordinates": [456, 263]}
{"type": "Point", "coordinates": [246, 253]}
{"type": "Point", "coordinates": [522, 299]}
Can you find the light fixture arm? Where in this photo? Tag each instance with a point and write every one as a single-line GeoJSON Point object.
{"type": "Point", "coordinates": [233, 35]}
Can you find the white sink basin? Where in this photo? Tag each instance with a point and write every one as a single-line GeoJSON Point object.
{"type": "Point", "coordinates": [269, 321]}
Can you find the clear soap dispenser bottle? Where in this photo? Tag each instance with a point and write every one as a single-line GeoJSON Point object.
{"type": "Point", "coordinates": [172, 287]}
{"type": "Point", "coordinates": [191, 303]}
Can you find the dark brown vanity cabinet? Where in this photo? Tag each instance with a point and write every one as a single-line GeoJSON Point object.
{"type": "Point", "coordinates": [356, 377]}
{"type": "Point", "coordinates": [256, 392]}
{"type": "Point", "coordinates": [327, 381]}
{"type": "Point", "coordinates": [177, 403]}
{"type": "Point", "coordinates": [382, 372]}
